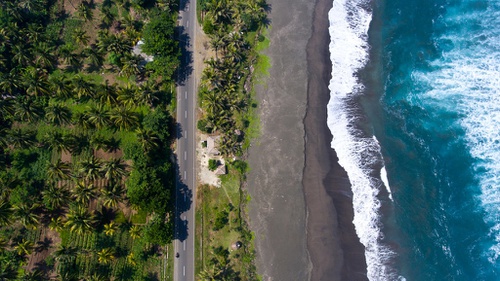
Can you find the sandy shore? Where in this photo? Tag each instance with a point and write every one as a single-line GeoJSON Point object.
{"type": "Point", "coordinates": [301, 208]}
{"type": "Point", "coordinates": [277, 209]}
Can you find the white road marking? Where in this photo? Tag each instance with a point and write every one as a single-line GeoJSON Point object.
{"type": "Point", "coordinates": [187, 24]}
{"type": "Point", "coordinates": [183, 270]}
{"type": "Point", "coordinates": [185, 177]}
{"type": "Point", "coordinates": [185, 95]}
{"type": "Point", "coordinates": [184, 217]}
{"type": "Point", "coordinates": [185, 114]}
{"type": "Point", "coordinates": [184, 245]}
{"type": "Point", "coordinates": [187, 8]}
{"type": "Point", "coordinates": [185, 155]}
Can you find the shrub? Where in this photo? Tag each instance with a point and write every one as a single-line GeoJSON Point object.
{"type": "Point", "coordinates": [213, 164]}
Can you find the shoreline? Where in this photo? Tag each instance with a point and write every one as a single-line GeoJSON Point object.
{"type": "Point", "coordinates": [334, 248]}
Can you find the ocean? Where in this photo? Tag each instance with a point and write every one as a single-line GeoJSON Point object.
{"type": "Point", "coordinates": [415, 118]}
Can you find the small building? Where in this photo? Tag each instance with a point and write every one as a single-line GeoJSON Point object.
{"type": "Point", "coordinates": [212, 145]}
{"type": "Point", "coordinates": [221, 169]}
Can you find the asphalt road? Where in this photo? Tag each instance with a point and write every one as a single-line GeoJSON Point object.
{"type": "Point", "coordinates": [186, 148]}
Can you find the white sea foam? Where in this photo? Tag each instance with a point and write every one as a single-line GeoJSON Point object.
{"type": "Point", "coordinates": [467, 80]}
{"type": "Point", "coordinates": [349, 23]}
{"type": "Point", "coordinates": [385, 180]}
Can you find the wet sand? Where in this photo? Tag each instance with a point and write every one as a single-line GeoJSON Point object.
{"type": "Point", "coordinates": [301, 210]}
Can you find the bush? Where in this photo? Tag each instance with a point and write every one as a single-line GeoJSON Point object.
{"type": "Point", "coordinates": [213, 164]}
{"type": "Point", "coordinates": [159, 232]}
{"type": "Point", "coordinates": [202, 126]}
{"type": "Point", "coordinates": [221, 220]}
{"type": "Point", "coordinates": [240, 166]}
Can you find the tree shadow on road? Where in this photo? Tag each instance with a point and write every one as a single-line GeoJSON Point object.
{"type": "Point", "coordinates": [185, 68]}
{"type": "Point", "coordinates": [183, 202]}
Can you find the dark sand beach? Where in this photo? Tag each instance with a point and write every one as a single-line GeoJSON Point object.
{"type": "Point", "coordinates": [301, 208]}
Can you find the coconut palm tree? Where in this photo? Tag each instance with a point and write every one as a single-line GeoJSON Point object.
{"type": "Point", "coordinates": [59, 170]}
{"type": "Point", "coordinates": [80, 36]}
{"type": "Point", "coordinates": [44, 55]}
{"type": "Point", "coordinates": [25, 214]}
{"type": "Point", "coordinates": [98, 116]}
{"type": "Point", "coordinates": [146, 94]}
{"type": "Point", "coordinates": [135, 232]}
{"type": "Point", "coordinates": [22, 55]}
{"type": "Point", "coordinates": [110, 228]}
{"type": "Point", "coordinates": [84, 193]}
{"type": "Point", "coordinates": [106, 255]}
{"type": "Point", "coordinates": [55, 198]}
{"type": "Point", "coordinates": [79, 220]}
{"type": "Point", "coordinates": [85, 11]}
{"type": "Point", "coordinates": [90, 168]}
{"type": "Point", "coordinates": [112, 195]}
{"type": "Point", "coordinates": [106, 93]}
{"type": "Point", "coordinates": [114, 169]}
{"type": "Point", "coordinates": [58, 114]}
{"type": "Point", "coordinates": [127, 95]}
{"type": "Point", "coordinates": [147, 138]}
{"type": "Point", "coordinates": [65, 254]}
{"type": "Point", "coordinates": [24, 247]}
{"type": "Point", "coordinates": [82, 88]}
{"type": "Point", "coordinates": [107, 17]}
{"type": "Point", "coordinates": [35, 82]}
{"type": "Point", "coordinates": [28, 110]}
{"type": "Point", "coordinates": [21, 139]}
{"type": "Point", "coordinates": [69, 57]}
{"type": "Point", "coordinates": [5, 213]}
{"type": "Point", "coordinates": [94, 56]}
{"type": "Point", "coordinates": [8, 271]}
{"type": "Point", "coordinates": [56, 141]}
{"type": "Point", "coordinates": [131, 65]}
{"type": "Point", "coordinates": [56, 223]}
{"type": "Point", "coordinates": [124, 118]}
{"type": "Point", "coordinates": [82, 121]}
{"type": "Point", "coordinates": [35, 275]}
{"type": "Point", "coordinates": [60, 87]}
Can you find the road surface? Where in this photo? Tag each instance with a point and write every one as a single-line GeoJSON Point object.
{"type": "Point", "coordinates": [186, 148]}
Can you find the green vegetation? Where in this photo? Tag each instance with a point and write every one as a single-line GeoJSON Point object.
{"type": "Point", "coordinates": [236, 36]}
{"type": "Point", "coordinates": [86, 186]}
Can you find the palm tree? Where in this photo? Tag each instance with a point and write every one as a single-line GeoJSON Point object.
{"type": "Point", "coordinates": [106, 93]}
{"type": "Point", "coordinates": [124, 118]}
{"type": "Point", "coordinates": [65, 254]}
{"type": "Point", "coordinates": [59, 170]}
{"type": "Point", "coordinates": [56, 223]}
{"type": "Point", "coordinates": [54, 197]}
{"type": "Point", "coordinates": [24, 247]}
{"type": "Point", "coordinates": [112, 195]}
{"type": "Point", "coordinates": [26, 215]}
{"type": "Point", "coordinates": [146, 93]}
{"type": "Point", "coordinates": [147, 138]}
{"type": "Point", "coordinates": [110, 228]}
{"type": "Point", "coordinates": [58, 114]}
{"type": "Point", "coordinates": [79, 220]}
{"type": "Point", "coordinates": [135, 232]}
{"type": "Point", "coordinates": [22, 55]}
{"type": "Point", "coordinates": [5, 212]}
{"type": "Point", "coordinates": [84, 193]}
{"type": "Point", "coordinates": [98, 116]}
{"type": "Point", "coordinates": [60, 87]}
{"type": "Point", "coordinates": [80, 36]}
{"type": "Point", "coordinates": [95, 277]}
{"type": "Point", "coordinates": [21, 139]}
{"type": "Point", "coordinates": [70, 58]}
{"type": "Point", "coordinates": [106, 255]}
{"type": "Point", "coordinates": [82, 88]}
{"type": "Point", "coordinates": [35, 275]}
{"type": "Point", "coordinates": [90, 168]}
{"type": "Point", "coordinates": [114, 169]}
{"type": "Point", "coordinates": [131, 65]}
{"type": "Point", "coordinates": [82, 121]}
{"type": "Point", "coordinates": [43, 55]}
{"type": "Point", "coordinates": [8, 271]}
{"type": "Point", "coordinates": [107, 16]}
{"type": "Point", "coordinates": [94, 56]}
{"type": "Point", "coordinates": [28, 110]}
{"type": "Point", "coordinates": [127, 94]}
{"type": "Point", "coordinates": [85, 11]}
{"type": "Point", "coordinates": [36, 82]}
{"type": "Point", "coordinates": [57, 141]}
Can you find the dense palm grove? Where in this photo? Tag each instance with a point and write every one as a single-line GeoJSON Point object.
{"type": "Point", "coordinates": [234, 28]}
{"type": "Point", "coordinates": [86, 183]}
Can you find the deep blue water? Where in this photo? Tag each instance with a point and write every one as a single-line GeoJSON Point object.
{"type": "Point", "coordinates": [427, 75]}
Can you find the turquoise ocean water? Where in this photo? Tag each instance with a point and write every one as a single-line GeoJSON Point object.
{"type": "Point", "coordinates": [415, 115]}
